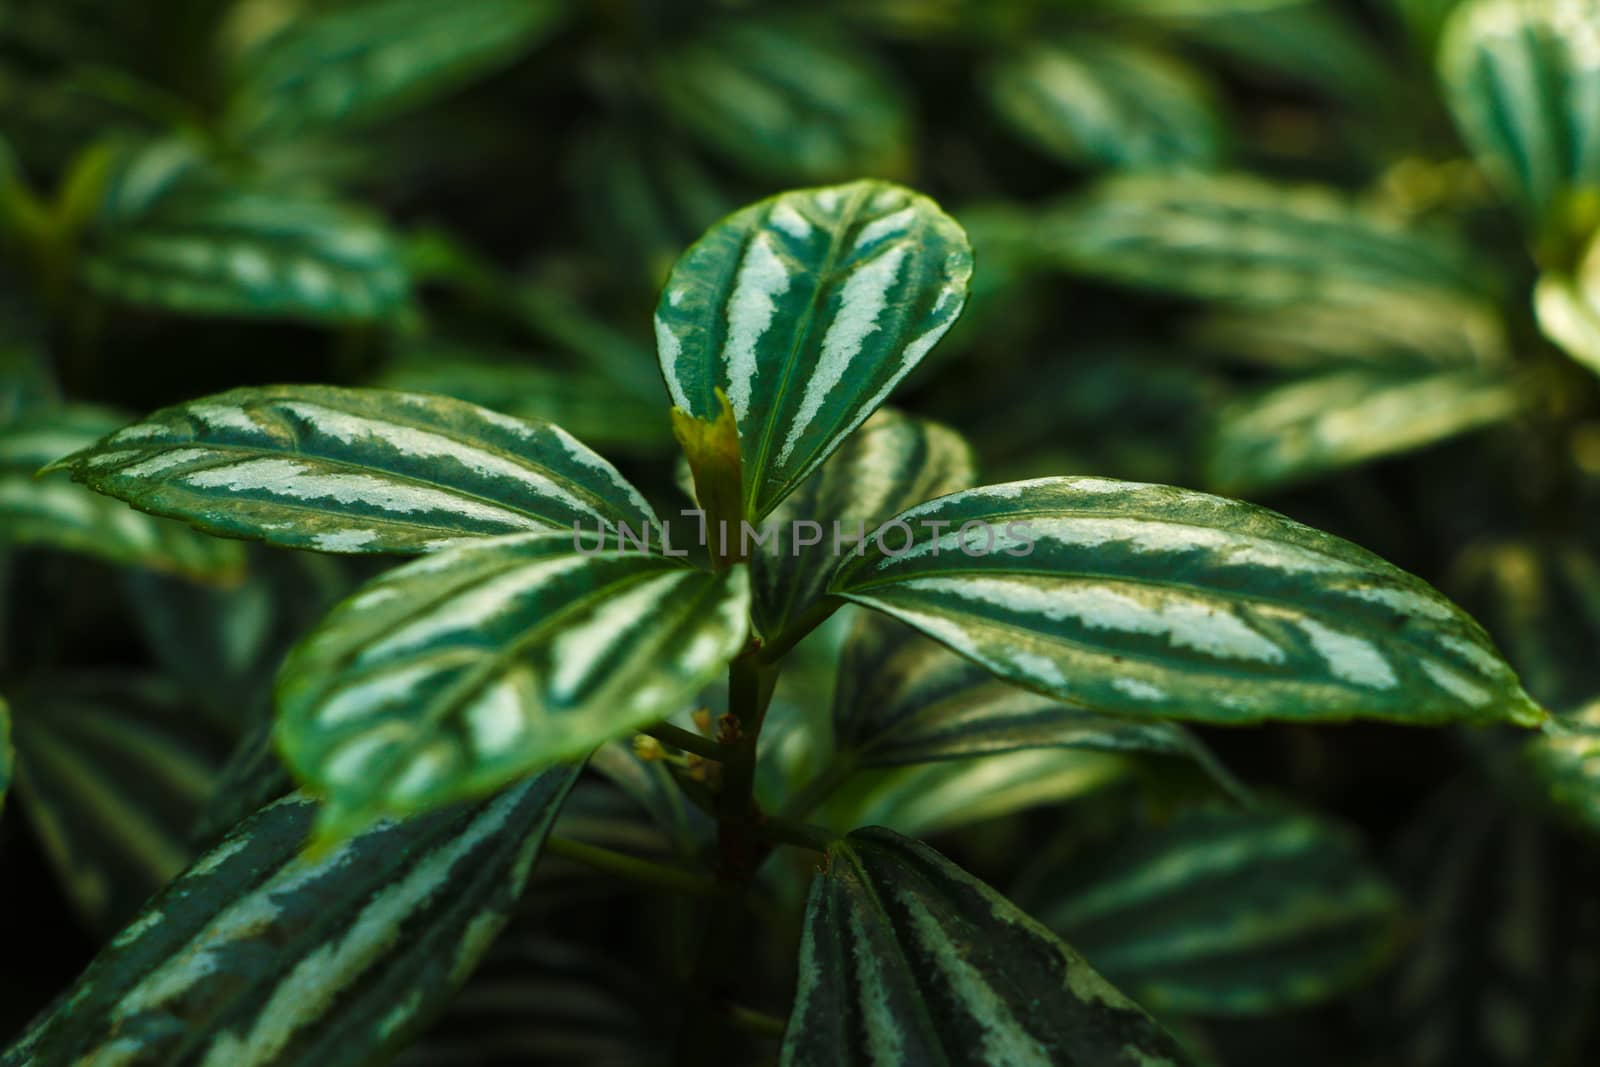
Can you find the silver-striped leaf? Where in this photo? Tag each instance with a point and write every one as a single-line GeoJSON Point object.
{"type": "Point", "coordinates": [356, 470]}
{"type": "Point", "coordinates": [789, 100]}
{"type": "Point", "coordinates": [1150, 601]}
{"type": "Point", "coordinates": [467, 669]}
{"type": "Point", "coordinates": [1523, 77]}
{"type": "Point", "coordinates": [54, 513]}
{"type": "Point", "coordinates": [215, 250]}
{"type": "Point", "coordinates": [259, 955]}
{"type": "Point", "coordinates": [1242, 240]}
{"type": "Point", "coordinates": [112, 771]}
{"type": "Point", "coordinates": [904, 698]}
{"type": "Point", "coordinates": [368, 60]}
{"type": "Point", "coordinates": [1221, 911]}
{"type": "Point", "coordinates": [1313, 426]}
{"type": "Point", "coordinates": [806, 309]}
{"type": "Point", "coordinates": [1105, 102]}
{"type": "Point", "coordinates": [892, 462]}
{"type": "Point", "coordinates": [906, 958]}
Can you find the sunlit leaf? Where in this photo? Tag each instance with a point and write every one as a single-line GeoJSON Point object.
{"type": "Point", "coordinates": [892, 462]}
{"type": "Point", "coordinates": [1222, 911]}
{"type": "Point", "coordinates": [361, 61]}
{"type": "Point", "coordinates": [1145, 600]}
{"type": "Point", "coordinates": [1522, 77]}
{"type": "Point", "coordinates": [1333, 421]}
{"type": "Point", "coordinates": [788, 100]}
{"type": "Point", "coordinates": [1568, 309]}
{"type": "Point", "coordinates": [258, 955]}
{"type": "Point", "coordinates": [52, 512]}
{"type": "Point", "coordinates": [907, 958]}
{"type": "Point", "coordinates": [111, 772]}
{"type": "Point", "coordinates": [1103, 102]}
{"type": "Point", "coordinates": [465, 670]}
{"type": "Point", "coordinates": [356, 470]}
{"type": "Point", "coordinates": [806, 310]}
{"type": "Point", "coordinates": [215, 250]}
{"type": "Point", "coordinates": [1246, 241]}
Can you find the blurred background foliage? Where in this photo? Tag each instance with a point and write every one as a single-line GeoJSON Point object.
{"type": "Point", "coordinates": [1331, 256]}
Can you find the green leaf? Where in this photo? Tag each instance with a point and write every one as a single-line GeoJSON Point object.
{"type": "Point", "coordinates": [1521, 77]}
{"type": "Point", "coordinates": [1150, 601]}
{"type": "Point", "coordinates": [806, 310]}
{"type": "Point", "coordinates": [1221, 911]}
{"type": "Point", "coordinates": [587, 405]}
{"type": "Point", "coordinates": [355, 470]}
{"type": "Point", "coordinates": [1330, 422]}
{"type": "Point", "coordinates": [368, 60]}
{"type": "Point", "coordinates": [1565, 762]}
{"type": "Point", "coordinates": [1099, 101]}
{"type": "Point", "coordinates": [212, 250]}
{"type": "Point", "coordinates": [906, 958]}
{"type": "Point", "coordinates": [903, 698]}
{"type": "Point", "coordinates": [112, 772]}
{"type": "Point", "coordinates": [259, 955]}
{"type": "Point", "coordinates": [787, 100]}
{"type": "Point", "coordinates": [460, 672]}
{"type": "Point", "coordinates": [1245, 241]}
{"type": "Point", "coordinates": [53, 513]}
{"type": "Point", "coordinates": [1568, 309]}
{"type": "Point", "coordinates": [892, 462]}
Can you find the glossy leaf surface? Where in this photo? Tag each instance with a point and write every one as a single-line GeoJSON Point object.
{"type": "Point", "coordinates": [906, 958]}
{"type": "Point", "coordinates": [1145, 600]}
{"type": "Point", "coordinates": [465, 670]}
{"type": "Point", "coordinates": [258, 955]}
{"type": "Point", "coordinates": [356, 470]}
{"type": "Point", "coordinates": [806, 310]}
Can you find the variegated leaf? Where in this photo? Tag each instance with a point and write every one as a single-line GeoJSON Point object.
{"type": "Point", "coordinates": [54, 513]}
{"type": "Point", "coordinates": [589, 406]}
{"type": "Point", "coordinates": [928, 798]}
{"type": "Point", "coordinates": [787, 99]}
{"type": "Point", "coordinates": [112, 772]}
{"type": "Point", "coordinates": [465, 670]}
{"type": "Point", "coordinates": [1503, 964]}
{"type": "Point", "coordinates": [1568, 308]}
{"type": "Point", "coordinates": [892, 462]}
{"type": "Point", "coordinates": [1330, 422]}
{"type": "Point", "coordinates": [904, 698]}
{"type": "Point", "coordinates": [1242, 240]}
{"type": "Point", "coordinates": [214, 250]}
{"type": "Point", "coordinates": [1150, 601]}
{"type": "Point", "coordinates": [362, 61]}
{"type": "Point", "coordinates": [1104, 102]}
{"type": "Point", "coordinates": [1522, 77]}
{"type": "Point", "coordinates": [258, 955]}
{"type": "Point", "coordinates": [1566, 763]}
{"type": "Point", "coordinates": [1222, 911]}
{"type": "Point", "coordinates": [806, 310]}
{"type": "Point", "coordinates": [906, 958]}
{"type": "Point", "coordinates": [356, 470]}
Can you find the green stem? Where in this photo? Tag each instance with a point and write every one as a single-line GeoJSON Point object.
{"type": "Point", "coordinates": [820, 788]}
{"type": "Point", "coordinates": [799, 629]}
{"type": "Point", "coordinates": [634, 869]}
{"type": "Point", "coordinates": [688, 740]}
{"type": "Point", "coordinates": [754, 1022]}
{"type": "Point", "coordinates": [801, 835]}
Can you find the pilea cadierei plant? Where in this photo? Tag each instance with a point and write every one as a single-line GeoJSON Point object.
{"type": "Point", "coordinates": [437, 719]}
